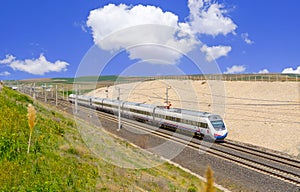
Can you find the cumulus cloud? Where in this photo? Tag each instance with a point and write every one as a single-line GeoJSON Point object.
{"type": "Point", "coordinates": [8, 59]}
{"type": "Point", "coordinates": [235, 69]}
{"type": "Point", "coordinates": [215, 52]}
{"type": "Point", "coordinates": [5, 73]}
{"type": "Point", "coordinates": [291, 70]}
{"type": "Point", "coordinates": [114, 27]}
{"type": "Point", "coordinates": [264, 71]}
{"type": "Point", "coordinates": [125, 21]}
{"type": "Point", "coordinates": [209, 18]}
{"type": "Point", "coordinates": [112, 18]}
{"type": "Point", "coordinates": [246, 38]}
{"type": "Point", "coordinates": [38, 66]}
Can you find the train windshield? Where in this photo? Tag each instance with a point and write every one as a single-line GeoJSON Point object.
{"type": "Point", "coordinates": [218, 125]}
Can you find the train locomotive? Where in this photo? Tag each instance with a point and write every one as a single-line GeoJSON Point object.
{"type": "Point", "coordinates": [199, 124]}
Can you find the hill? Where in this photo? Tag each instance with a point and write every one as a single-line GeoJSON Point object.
{"type": "Point", "coordinates": [60, 161]}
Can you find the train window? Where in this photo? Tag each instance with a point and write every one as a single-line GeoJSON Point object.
{"type": "Point", "coordinates": [203, 125]}
{"type": "Point", "coordinates": [140, 112]}
{"type": "Point", "coordinates": [218, 125]}
{"type": "Point", "coordinates": [161, 116]}
{"type": "Point", "coordinates": [106, 105]}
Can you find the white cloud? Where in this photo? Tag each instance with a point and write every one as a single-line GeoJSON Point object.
{"type": "Point", "coordinates": [215, 52]}
{"type": "Point", "coordinates": [209, 18]}
{"type": "Point", "coordinates": [8, 59]}
{"type": "Point", "coordinates": [245, 37]}
{"type": "Point", "coordinates": [5, 73]}
{"type": "Point", "coordinates": [38, 66]}
{"type": "Point", "coordinates": [235, 69]}
{"type": "Point", "coordinates": [291, 70]}
{"type": "Point", "coordinates": [125, 21]}
{"type": "Point", "coordinates": [115, 27]}
{"type": "Point", "coordinates": [264, 71]}
{"type": "Point", "coordinates": [112, 18]}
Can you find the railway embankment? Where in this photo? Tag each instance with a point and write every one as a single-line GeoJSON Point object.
{"type": "Point", "coordinates": [59, 160]}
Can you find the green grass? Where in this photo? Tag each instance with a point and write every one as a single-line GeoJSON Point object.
{"type": "Point", "coordinates": [46, 167]}
{"type": "Point", "coordinates": [59, 160]}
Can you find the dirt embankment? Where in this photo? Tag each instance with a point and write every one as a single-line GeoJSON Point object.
{"type": "Point", "coordinates": [261, 113]}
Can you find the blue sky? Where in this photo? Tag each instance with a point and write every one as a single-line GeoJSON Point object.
{"type": "Point", "coordinates": [40, 39]}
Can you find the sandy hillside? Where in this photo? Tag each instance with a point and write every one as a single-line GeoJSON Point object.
{"type": "Point", "coordinates": [261, 113]}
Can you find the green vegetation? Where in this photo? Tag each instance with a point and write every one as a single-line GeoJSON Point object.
{"type": "Point", "coordinates": [60, 161]}
{"type": "Point", "coordinates": [46, 167]}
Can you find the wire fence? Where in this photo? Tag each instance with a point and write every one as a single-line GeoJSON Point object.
{"type": "Point", "coordinates": [220, 77]}
{"type": "Point", "coordinates": [234, 77]}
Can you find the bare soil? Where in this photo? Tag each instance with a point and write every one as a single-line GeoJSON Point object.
{"type": "Point", "coordinates": [266, 114]}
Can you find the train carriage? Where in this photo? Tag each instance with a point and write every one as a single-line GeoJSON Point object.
{"type": "Point", "coordinates": [189, 121]}
{"type": "Point", "coordinates": [138, 111]}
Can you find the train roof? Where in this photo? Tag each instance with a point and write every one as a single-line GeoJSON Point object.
{"type": "Point", "coordinates": [190, 112]}
{"type": "Point", "coordinates": [140, 104]}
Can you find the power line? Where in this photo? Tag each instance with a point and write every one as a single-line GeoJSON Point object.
{"type": "Point", "coordinates": [243, 98]}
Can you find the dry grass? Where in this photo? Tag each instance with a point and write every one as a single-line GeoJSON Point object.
{"type": "Point", "coordinates": [31, 122]}
{"type": "Point", "coordinates": [209, 180]}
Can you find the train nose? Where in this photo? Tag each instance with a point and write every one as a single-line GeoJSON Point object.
{"type": "Point", "coordinates": [220, 135]}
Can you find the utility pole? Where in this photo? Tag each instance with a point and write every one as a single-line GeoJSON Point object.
{"type": "Point", "coordinates": [63, 90]}
{"type": "Point", "coordinates": [119, 110]}
{"type": "Point", "coordinates": [67, 94]}
{"type": "Point", "coordinates": [106, 91]}
{"type": "Point", "coordinates": [167, 95]}
{"type": "Point", "coordinates": [91, 107]}
{"type": "Point", "coordinates": [76, 98]}
{"type": "Point", "coordinates": [30, 87]}
{"type": "Point", "coordinates": [52, 92]}
{"type": "Point", "coordinates": [45, 92]}
{"type": "Point", "coordinates": [33, 91]}
{"type": "Point", "coordinates": [56, 95]}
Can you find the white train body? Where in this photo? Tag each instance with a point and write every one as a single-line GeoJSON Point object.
{"type": "Point", "coordinates": [189, 121]}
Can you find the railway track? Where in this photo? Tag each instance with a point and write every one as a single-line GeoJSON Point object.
{"type": "Point", "coordinates": [261, 160]}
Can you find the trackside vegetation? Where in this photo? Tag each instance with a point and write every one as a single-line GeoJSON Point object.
{"type": "Point", "coordinates": [58, 160]}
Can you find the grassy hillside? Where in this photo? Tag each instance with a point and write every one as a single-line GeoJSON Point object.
{"type": "Point", "coordinates": [59, 160]}
{"type": "Point", "coordinates": [47, 166]}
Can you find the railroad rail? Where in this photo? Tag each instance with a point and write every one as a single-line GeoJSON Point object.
{"type": "Point", "coordinates": [261, 160]}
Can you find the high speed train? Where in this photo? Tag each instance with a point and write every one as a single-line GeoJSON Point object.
{"type": "Point", "coordinates": [200, 124]}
